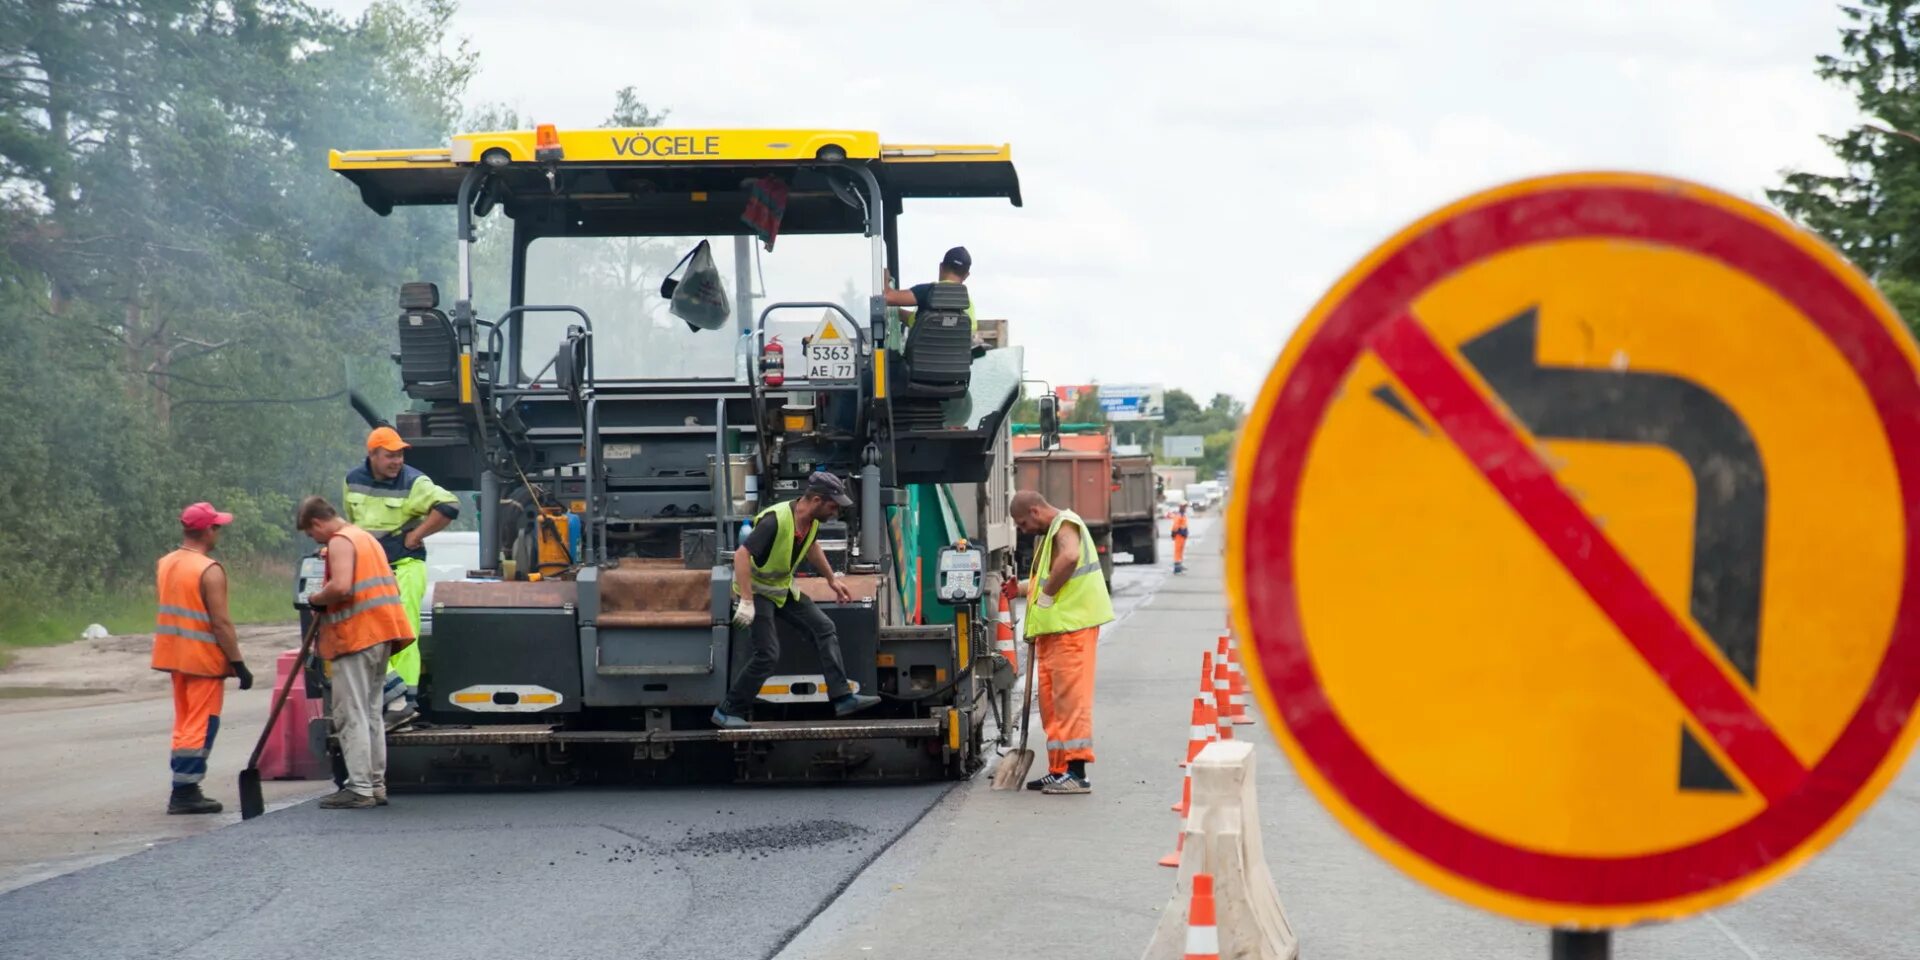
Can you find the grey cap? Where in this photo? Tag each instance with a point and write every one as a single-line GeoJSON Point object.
{"type": "Point", "coordinates": [827, 485]}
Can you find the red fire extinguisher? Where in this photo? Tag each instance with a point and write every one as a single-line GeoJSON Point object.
{"type": "Point", "coordinates": [773, 363]}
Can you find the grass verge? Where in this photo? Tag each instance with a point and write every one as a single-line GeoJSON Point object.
{"type": "Point", "coordinates": [259, 592]}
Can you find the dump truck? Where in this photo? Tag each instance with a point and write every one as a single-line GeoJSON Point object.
{"type": "Point", "coordinates": [1078, 471]}
{"type": "Point", "coordinates": [644, 383]}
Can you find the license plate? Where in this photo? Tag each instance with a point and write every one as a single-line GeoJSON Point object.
{"type": "Point", "coordinates": [830, 361]}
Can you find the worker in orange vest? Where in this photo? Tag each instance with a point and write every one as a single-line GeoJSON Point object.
{"type": "Point", "coordinates": [1179, 518]}
{"type": "Point", "coordinates": [194, 640]}
{"type": "Point", "coordinates": [365, 623]}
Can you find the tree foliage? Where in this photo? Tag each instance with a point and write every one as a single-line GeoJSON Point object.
{"type": "Point", "coordinates": [184, 286]}
{"type": "Point", "coordinates": [1871, 211]}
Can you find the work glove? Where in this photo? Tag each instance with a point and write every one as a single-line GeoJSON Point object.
{"type": "Point", "coordinates": [246, 676]}
{"type": "Point", "coordinates": [1010, 589]}
{"type": "Point", "coordinates": [1045, 601]}
{"type": "Point", "coordinates": [743, 612]}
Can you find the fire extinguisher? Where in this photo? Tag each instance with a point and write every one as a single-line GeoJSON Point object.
{"type": "Point", "coordinates": [773, 363]}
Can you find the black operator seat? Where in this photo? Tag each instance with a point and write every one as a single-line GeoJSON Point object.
{"type": "Point", "coordinates": [936, 359]}
{"type": "Point", "coordinates": [429, 352]}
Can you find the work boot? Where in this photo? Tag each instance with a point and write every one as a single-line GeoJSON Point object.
{"type": "Point", "coordinates": [380, 796]}
{"type": "Point", "coordinates": [853, 703]}
{"type": "Point", "coordinates": [347, 800]}
{"type": "Point", "coordinates": [190, 800]}
{"type": "Point", "coordinates": [1068, 784]}
{"type": "Point", "coordinates": [727, 721]}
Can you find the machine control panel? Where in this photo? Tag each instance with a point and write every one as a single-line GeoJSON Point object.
{"type": "Point", "coordinates": [312, 576]}
{"type": "Point", "coordinates": [960, 571]}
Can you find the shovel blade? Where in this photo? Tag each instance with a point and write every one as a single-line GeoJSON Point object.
{"type": "Point", "coordinates": [1012, 771]}
{"type": "Point", "coordinates": [252, 801]}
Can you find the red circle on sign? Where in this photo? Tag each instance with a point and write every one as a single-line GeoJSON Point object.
{"type": "Point", "coordinates": [1619, 211]}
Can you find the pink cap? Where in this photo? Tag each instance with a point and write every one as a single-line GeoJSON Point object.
{"type": "Point", "coordinates": [202, 516]}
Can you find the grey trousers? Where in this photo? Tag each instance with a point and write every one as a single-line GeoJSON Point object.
{"type": "Point", "coordinates": [359, 679]}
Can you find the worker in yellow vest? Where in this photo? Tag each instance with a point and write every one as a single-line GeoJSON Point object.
{"type": "Point", "coordinates": [194, 640]}
{"type": "Point", "coordinates": [401, 507]}
{"type": "Point", "coordinates": [783, 534]}
{"type": "Point", "coordinates": [363, 624]}
{"type": "Point", "coordinates": [1066, 604]}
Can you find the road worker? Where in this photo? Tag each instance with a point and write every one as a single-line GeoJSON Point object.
{"type": "Point", "coordinates": [194, 640]}
{"type": "Point", "coordinates": [782, 534]}
{"type": "Point", "coordinates": [1179, 518]}
{"type": "Point", "coordinates": [401, 507]}
{"type": "Point", "coordinates": [364, 623]}
{"type": "Point", "coordinates": [955, 267]}
{"type": "Point", "coordinates": [1066, 604]}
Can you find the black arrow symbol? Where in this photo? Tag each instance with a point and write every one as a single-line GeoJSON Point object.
{"type": "Point", "coordinates": [1729, 481]}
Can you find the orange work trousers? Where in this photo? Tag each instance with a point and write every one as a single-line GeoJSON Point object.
{"type": "Point", "coordinates": [1180, 547]}
{"type": "Point", "coordinates": [1066, 694]}
{"type": "Point", "coordinates": [196, 719]}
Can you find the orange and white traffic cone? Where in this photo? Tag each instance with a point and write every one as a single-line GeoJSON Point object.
{"type": "Point", "coordinates": [1203, 936]}
{"type": "Point", "coordinates": [1003, 642]}
{"type": "Point", "coordinates": [1200, 732]}
{"type": "Point", "coordinates": [1236, 682]}
{"type": "Point", "coordinates": [1222, 696]}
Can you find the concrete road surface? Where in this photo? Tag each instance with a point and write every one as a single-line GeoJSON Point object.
{"type": "Point", "coordinates": [925, 872]}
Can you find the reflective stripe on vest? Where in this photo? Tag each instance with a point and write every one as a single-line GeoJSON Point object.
{"type": "Point", "coordinates": [183, 639]}
{"type": "Point", "coordinates": [1083, 602]}
{"type": "Point", "coordinates": [774, 579]}
{"type": "Point", "coordinates": [375, 613]}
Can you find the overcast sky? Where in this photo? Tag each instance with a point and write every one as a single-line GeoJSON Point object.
{"type": "Point", "coordinates": [1196, 174]}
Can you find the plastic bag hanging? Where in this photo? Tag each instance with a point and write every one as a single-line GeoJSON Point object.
{"type": "Point", "coordinates": [698, 297]}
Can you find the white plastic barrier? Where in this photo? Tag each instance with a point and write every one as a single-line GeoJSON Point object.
{"type": "Point", "coordinates": [1223, 839]}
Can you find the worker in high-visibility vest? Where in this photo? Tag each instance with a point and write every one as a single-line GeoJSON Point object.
{"type": "Point", "coordinates": [782, 535]}
{"type": "Point", "coordinates": [955, 267]}
{"type": "Point", "coordinates": [1067, 602]}
{"type": "Point", "coordinates": [363, 624]}
{"type": "Point", "coordinates": [400, 506]}
{"type": "Point", "coordinates": [1179, 518]}
{"type": "Point", "coordinates": [194, 640]}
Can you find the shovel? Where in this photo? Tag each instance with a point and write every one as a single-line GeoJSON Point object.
{"type": "Point", "coordinates": [1014, 766]}
{"type": "Point", "coordinates": [252, 801]}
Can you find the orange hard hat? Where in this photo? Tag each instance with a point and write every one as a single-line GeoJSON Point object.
{"type": "Point", "coordinates": [385, 438]}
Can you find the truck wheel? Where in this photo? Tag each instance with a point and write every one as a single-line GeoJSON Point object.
{"type": "Point", "coordinates": [1147, 551]}
{"type": "Point", "coordinates": [1106, 570]}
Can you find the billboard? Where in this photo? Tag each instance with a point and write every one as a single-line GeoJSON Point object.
{"type": "Point", "coordinates": [1133, 401]}
{"type": "Point", "coordinates": [1070, 394]}
{"type": "Point", "coordinates": [1183, 448]}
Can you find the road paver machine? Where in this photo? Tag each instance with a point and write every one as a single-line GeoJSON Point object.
{"type": "Point", "coordinates": [626, 405]}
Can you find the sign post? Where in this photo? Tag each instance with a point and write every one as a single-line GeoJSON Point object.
{"type": "Point", "coordinates": [1572, 558]}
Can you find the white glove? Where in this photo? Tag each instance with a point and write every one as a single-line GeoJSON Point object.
{"type": "Point", "coordinates": [743, 612]}
{"type": "Point", "coordinates": [1045, 601]}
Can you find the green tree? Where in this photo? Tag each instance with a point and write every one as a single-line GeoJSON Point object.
{"type": "Point", "coordinates": [1871, 211]}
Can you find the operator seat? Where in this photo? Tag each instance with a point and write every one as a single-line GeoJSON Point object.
{"type": "Point", "coordinates": [429, 352]}
{"type": "Point", "coordinates": [936, 359]}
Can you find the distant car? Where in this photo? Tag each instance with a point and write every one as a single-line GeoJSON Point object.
{"type": "Point", "coordinates": [1174, 500]}
{"type": "Point", "coordinates": [450, 555]}
{"type": "Point", "coordinates": [1198, 496]}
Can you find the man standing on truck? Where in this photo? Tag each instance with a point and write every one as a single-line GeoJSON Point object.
{"type": "Point", "coordinates": [1066, 604]}
{"type": "Point", "coordinates": [1180, 539]}
{"type": "Point", "coordinates": [401, 507]}
{"type": "Point", "coordinates": [194, 640]}
{"type": "Point", "coordinates": [364, 623]}
{"type": "Point", "coordinates": [955, 267]}
{"type": "Point", "coordinates": [782, 534]}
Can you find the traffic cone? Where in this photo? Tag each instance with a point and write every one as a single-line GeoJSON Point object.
{"type": "Point", "coordinates": [1220, 731]}
{"type": "Point", "coordinates": [1203, 937]}
{"type": "Point", "coordinates": [1236, 683]}
{"type": "Point", "coordinates": [1003, 635]}
{"type": "Point", "coordinates": [1222, 696]}
{"type": "Point", "coordinates": [1199, 734]}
